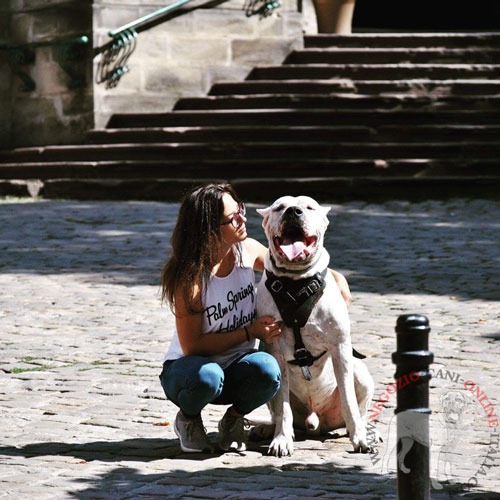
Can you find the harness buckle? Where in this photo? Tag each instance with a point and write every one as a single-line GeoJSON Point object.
{"type": "Point", "coordinates": [302, 354]}
{"type": "Point", "coordinates": [276, 286]}
{"type": "Point", "coordinates": [313, 287]}
{"type": "Point", "coordinates": [310, 289]}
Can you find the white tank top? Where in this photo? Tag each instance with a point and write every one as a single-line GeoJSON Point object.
{"type": "Point", "coordinates": [228, 304]}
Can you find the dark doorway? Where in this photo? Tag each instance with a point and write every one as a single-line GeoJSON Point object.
{"type": "Point", "coordinates": [427, 15]}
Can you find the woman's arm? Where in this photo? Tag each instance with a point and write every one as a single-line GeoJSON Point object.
{"type": "Point", "coordinates": [257, 253]}
{"type": "Point", "coordinates": [343, 285]}
{"type": "Point", "coordinates": [195, 343]}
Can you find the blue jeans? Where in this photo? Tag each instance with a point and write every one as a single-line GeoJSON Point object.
{"type": "Point", "coordinates": [192, 382]}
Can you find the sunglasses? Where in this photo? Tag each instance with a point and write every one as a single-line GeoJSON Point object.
{"type": "Point", "coordinates": [237, 218]}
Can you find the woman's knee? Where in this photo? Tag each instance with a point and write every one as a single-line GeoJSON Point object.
{"type": "Point", "coordinates": [265, 369]}
{"type": "Point", "coordinates": [195, 375]}
{"type": "Point", "coordinates": [209, 379]}
{"type": "Point", "coordinates": [200, 387]}
{"type": "Point", "coordinates": [263, 375]}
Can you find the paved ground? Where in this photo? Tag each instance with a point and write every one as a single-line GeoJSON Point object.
{"type": "Point", "coordinates": [83, 335]}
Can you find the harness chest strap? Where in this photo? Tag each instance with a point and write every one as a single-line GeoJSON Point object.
{"type": "Point", "coordinates": [295, 300]}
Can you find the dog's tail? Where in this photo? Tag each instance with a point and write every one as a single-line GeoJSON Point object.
{"type": "Point", "coordinates": [312, 422]}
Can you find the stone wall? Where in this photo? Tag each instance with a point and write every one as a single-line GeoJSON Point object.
{"type": "Point", "coordinates": [186, 55]}
{"type": "Point", "coordinates": [181, 57]}
{"type": "Point", "coordinates": [52, 113]}
{"type": "Point", "coordinates": [5, 84]}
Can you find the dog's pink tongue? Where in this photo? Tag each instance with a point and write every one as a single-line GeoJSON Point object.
{"type": "Point", "coordinates": [293, 250]}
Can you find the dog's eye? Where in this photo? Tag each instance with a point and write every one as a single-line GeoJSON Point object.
{"type": "Point", "coordinates": [279, 208]}
{"type": "Point", "coordinates": [310, 208]}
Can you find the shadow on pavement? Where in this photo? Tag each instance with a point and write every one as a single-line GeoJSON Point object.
{"type": "Point", "coordinates": [279, 479]}
{"type": "Point", "coordinates": [137, 450]}
{"type": "Point", "coordinates": [443, 248]}
{"type": "Point", "coordinates": [290, 481]}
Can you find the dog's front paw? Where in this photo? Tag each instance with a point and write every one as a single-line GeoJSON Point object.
{"type": "Point", "coordinates": [360, 442]}
{"type": "Point", "coordinates": [281, 446]}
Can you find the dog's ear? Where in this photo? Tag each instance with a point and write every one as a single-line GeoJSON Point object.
{"type": "Point", "coordinates": [325, 209]}
{"type": "Point", "coordinates": [265, 213]}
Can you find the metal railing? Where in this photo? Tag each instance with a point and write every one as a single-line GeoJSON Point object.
{"type": "Point", "coordinates": [70, 50]}
{"type": "Point", "coordinates": [113, 63]}
{"type": "Point", "coordinates": [144, 23]}
{"type": "Point", "coordinates": [114, 55]}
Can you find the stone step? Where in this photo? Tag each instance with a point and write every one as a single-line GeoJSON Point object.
{"type": "Point", "coordinates": [375, 71]}
{"type": "Point", "coordinates": [481, 87]}
{"type": "Point", "coordinates": [249, 167]}
{"type": "Point", "coordinates": [262, 189]}
{"type": "Point", "coordinates": [405, 40]}
{"type": "Point", "coordinates": [388, 133]}
{"type": "Point", "coordinates": [225, 134]}
{"type": "Point", "coordinates": [294, 117]}
{"type": "Point", "coordinates": [340, 101]}
{"type": "Point", "coordinates": [269, 150]}
{"type": "Point", "coordinates": [337, 55]}
{"type": "Point", "coordinates": [366, 116]}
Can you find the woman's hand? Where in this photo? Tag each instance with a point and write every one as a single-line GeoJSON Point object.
{"type": "Point", "coordinates": [266, 328]}
{"type": "Point", "coordinates": [343, 285]}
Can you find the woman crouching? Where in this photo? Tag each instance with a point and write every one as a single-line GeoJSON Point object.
{"type": "Point", "coordinates": [209, 282]}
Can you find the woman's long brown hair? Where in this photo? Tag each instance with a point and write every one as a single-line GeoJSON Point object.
{"type": "Point", "coordinates": [195, 242]}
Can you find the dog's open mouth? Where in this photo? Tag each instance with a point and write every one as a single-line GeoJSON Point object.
{"type": "Point", "coordinates": [294, 245]}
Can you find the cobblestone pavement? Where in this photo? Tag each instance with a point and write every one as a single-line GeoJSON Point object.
{"type": "Point", "coordinates": [83, 334]}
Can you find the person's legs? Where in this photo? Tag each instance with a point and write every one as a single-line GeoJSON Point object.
{"type": "Point", "coordinates": [334, 16]}
{"type": "Point", "coordinates": [191, 383]}
{"type": "Point", "coordinates": [249, 382]}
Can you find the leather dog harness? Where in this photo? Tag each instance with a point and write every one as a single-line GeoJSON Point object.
{"type": "Point", "coordinates": [295, 300]}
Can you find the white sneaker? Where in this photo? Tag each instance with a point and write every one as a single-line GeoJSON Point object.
{"type": "Point", "coordinates": [232, 430]}
{"type": "Point", "coordinates": [192, 434]}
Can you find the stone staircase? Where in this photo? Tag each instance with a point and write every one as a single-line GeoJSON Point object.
{"type": "Point", "coordinates": [364, 116]}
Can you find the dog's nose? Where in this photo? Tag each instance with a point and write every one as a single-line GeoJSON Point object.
{"type": "Point", "coordinates": [294, 212]}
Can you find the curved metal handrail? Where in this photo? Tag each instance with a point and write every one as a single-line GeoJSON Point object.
{"type": "Point", "coordinates": [142, 23]}
{"type": "Point", "coordinates": [116, 53]}
{"type": "Point", "coordinates": [113, 63]}
{"type": "Point", "coordinates": [261, 8]}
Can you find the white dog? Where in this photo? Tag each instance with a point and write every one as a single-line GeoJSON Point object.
{"type": "Point", "coordinates": [331, 389]}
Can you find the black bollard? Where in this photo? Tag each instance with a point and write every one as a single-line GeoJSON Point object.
{"type": "Point", "coordinates": [412, 359]}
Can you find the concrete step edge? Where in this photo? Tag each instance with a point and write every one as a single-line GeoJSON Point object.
{"type": "Point", "coordinates": [346, 97]}
{"type": "Point", "coordinates": [381, 66]}
{"type": "Point", "coordinates": [266, 144]}
{"type": "Point", "coordinates": [260, 189]}
{"type": "Point", "coordinates": [257, 161]}
{"type": "Point", "coordinates": [397, 50]}
{"type": "Point", "coordinates": [283, 127]}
